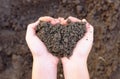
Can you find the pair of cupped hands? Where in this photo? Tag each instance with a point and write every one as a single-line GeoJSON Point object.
{"type": "Point", "coordinates": [39, 50]}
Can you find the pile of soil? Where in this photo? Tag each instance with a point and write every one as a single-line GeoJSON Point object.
{"type": "Point", "coordinates": [61, 39]}
{"type": "Point", "coordinates": [15, 15]}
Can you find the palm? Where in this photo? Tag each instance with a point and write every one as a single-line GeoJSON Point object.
{"type": "Point", "coordinates": [84, 45]}
{"type": "Point", "coordinates": [36, 46]}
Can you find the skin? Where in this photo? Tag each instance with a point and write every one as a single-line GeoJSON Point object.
{"type": "Point", "coordinates": [77, 63]}
{"type": "Point", "coordinates": [44, 62]}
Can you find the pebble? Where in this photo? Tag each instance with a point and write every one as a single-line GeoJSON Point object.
{"type": "Point", "coordinates": [61, 75]}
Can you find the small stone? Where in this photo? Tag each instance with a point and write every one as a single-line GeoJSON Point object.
{"type": "Point", "coordinates": [61, 75]}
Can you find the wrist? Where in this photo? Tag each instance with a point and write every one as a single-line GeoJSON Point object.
{"type": "Point", "coordinates": [77, 60]}
{"type": "Point", "coordinates": [44, 61]}
{"type": "Point", "coordinates": [78, 66]}
{"type": "Point", "coordinates": [41, 67]}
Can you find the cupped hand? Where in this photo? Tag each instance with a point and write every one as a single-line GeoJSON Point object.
{"type": "Point", "coordinates": [37, 47]}
{"type": "Point", "coordinates": [84, 45]}
{"type": "Point", "coordinates": [77, 63]}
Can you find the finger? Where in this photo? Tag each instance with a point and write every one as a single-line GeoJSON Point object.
{"type": "Point", "coordinates": [57, 21]}
{"type": "Point", "coordinates": [46, 18]}
{"type": "Point", "coordinates": [53, 22]}
{"type": "Point", "coordinates": [31, 28]}
{"type": "Point", "coordinates": [62, 21]}
{"type": "Point", "coordinates": [89, 34]}
{"type": "Point", "coordinates": [61, 18]}
{"type": "Point", "coordinates": [64, 60]}
{"type": "Point", "coordinates": [73, 19]}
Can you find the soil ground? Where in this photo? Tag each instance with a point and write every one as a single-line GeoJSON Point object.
{"type": "Point", "coordinates": [15, 15]}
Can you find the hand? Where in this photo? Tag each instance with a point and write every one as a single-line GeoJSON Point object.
{"type": "Point", "coordinates": [84, 45]}
{"type": "Point", "coordinates": [43, 61]}
{"type": "Point", "coordinates": [36, 46]}
{"type": "Point", "coordinates": [77, 63]}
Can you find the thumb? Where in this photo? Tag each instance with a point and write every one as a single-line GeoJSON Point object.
{"type": "Point", "coordinates": [89, 34]}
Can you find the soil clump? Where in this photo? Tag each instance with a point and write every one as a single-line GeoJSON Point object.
{"type": "Point", "coordinates": [60, 40]}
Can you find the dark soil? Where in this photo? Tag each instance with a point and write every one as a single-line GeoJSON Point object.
{"type": "Point", "coordinates": [61, 39]}
{"type": "Point", "coordinates": [15, 15]}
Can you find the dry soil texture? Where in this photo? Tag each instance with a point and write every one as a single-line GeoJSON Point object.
{"type": "Point", "coordinates": [15, 15]}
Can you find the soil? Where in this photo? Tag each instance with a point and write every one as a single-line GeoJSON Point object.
{"type": "Point", "coordinates": [57, 38]}
{"type": "Point", "coordinates": [15, 15]}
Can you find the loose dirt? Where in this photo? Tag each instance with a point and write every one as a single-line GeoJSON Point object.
{"type": "Point", "coordinates": [61, 39]}
{"type": "Point", "coordinates": [15, 15]}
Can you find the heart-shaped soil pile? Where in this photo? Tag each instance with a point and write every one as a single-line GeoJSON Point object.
{"type": "Point", "coordinates": [60, 40]}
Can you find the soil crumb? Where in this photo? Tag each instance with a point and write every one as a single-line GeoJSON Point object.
{"type": "Point", "coordinates": [59, 39]}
